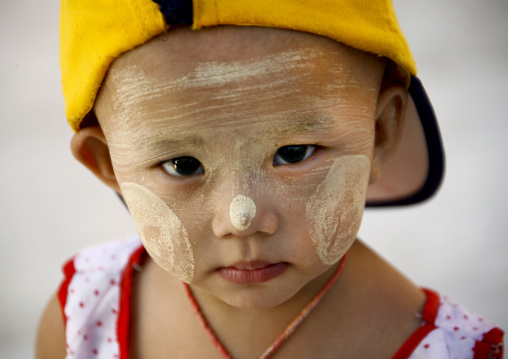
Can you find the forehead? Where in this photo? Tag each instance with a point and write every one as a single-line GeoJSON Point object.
{"type": "Point", "coordinates": [185, 76]}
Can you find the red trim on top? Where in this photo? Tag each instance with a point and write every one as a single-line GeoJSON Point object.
{"type": "Point", "coordinates": [69, 270]}
{"type": "Point", "coordinates": [491, 346]}
{"type": "Point", "coordinates": [429, 315]}
{"type": "Point", "coordinates": [123, 325]}
{"type": "Point", "coordinates": [431, 309]}
{"type": "Point", "coordinates": [494, 336]}
{"type": "Point", "coordinates": [482, 351]}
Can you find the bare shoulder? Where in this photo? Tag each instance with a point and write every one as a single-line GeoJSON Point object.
{"type": "Point", "coordinates": [50, 342]}
{"type": "Point", "coordinates": [385, 288]}
{"type": "Point", "coordinates": [382, 303]}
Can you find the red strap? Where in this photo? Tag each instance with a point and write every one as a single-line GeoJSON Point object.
{"type": "Point", "coordinates": [431, 309]}
{"type": "Point", "coordinates": [491, 346]}
{"type": "Point", "coordinates": [495, 337]}
{"type": "Point", "coordinates": [68, 269]}
{"type": "Point", "coordinates": [123, 324]}
{"type": "Point", "coordinates": [429, 315]}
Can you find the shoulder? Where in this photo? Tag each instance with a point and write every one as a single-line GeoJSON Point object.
{"type": "Point", "coordinates": [111, 255]}
{"type": "Point", "coordinates": [89, 296]}
{"type": "Point", "coordinates": [453, 331]}
{"type": "Point", "coordinates": [96, 263]}
{"type": "Point", "coordinates": [50, 341]}
{"type": "Point", "coordinates": [94, 273]}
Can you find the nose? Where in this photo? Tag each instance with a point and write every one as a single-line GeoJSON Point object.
{"type": "Point", "coordinates": [242, 216]}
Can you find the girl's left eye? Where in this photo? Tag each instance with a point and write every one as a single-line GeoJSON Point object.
{"type": "Point", "coordinates": [293, 154]}
{"type": "Point", "coordinates": [183, 166]}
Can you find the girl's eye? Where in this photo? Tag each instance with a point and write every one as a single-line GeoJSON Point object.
{"type": "Point", "coordinates": [293, 154]}
{"type": "Point", "coordinates": [183, 166]}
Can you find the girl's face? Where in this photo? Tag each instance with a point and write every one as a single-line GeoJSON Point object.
{"type": "Point", "coordinates": [245, 168]}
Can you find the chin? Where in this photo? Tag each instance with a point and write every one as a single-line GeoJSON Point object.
{"type": "Point", "coordinates": [258, 297]}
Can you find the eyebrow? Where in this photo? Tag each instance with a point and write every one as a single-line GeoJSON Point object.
{"type": "Point", "coordinates": [162, 140]}
{"type": "Point", "coordinates": [308, 123]}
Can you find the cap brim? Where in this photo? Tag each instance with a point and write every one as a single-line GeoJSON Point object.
{"type": "Point", "coordinates": [416, 170]}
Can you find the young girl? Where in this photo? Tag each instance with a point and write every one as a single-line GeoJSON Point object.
{"type": "Point", "coordinates": [245, 155]}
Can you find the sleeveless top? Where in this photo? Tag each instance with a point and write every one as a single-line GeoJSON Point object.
{"type": "Point", "coordinates": [95, 301]}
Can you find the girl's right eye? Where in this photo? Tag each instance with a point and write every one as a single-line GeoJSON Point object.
{"type": "Point", "coordinates": [293, 154]}
{"type": "Point", "coordinates": [183, 166]}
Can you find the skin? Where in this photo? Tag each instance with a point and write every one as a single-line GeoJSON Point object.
{"type": "Point", "coordinates": [334, 211]}
{"type": "Point", "coordinates": [164, 236]}
{"type": "Point", "coordinates": [233, 107]}
{"type": "Point", "coordinates": [235, 132]}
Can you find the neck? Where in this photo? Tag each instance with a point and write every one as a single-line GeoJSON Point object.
{"type": "Point", "coordinates": [249, 330]}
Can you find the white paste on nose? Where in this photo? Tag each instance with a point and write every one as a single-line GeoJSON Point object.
{"type": "Point", "coordinates": [161, 231]}
{"type": "Point", "coordinates": [335, 209]}
{"type": "Point", "coordinates": [242, 211]}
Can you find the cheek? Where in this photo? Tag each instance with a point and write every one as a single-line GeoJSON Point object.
{"type": "Point", "coordinates": [161, 231]}
{"type": "Point", "coordinates": [335, 209]}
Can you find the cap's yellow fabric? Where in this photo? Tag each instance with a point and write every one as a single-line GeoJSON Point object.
{"type": "Point", "coordinates": [368, 25]}
{"type": "Point", "coordinates": [94, 32]}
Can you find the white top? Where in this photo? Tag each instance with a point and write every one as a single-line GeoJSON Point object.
{"type": "Point", "coordinates": [95, 298]}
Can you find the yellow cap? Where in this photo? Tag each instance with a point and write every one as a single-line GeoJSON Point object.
{"type": "Point", "coordinates": [94, 33]}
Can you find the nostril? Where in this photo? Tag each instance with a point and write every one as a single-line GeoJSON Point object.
{"type": "Point", "coordinates": [242, 212]}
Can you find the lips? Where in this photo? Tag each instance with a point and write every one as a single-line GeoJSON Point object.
{"type": "Point", "coordinates": [252, 272]}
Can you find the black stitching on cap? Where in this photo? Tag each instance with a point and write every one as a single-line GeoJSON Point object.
{"type": "Point", "coordinates": [176, 11]}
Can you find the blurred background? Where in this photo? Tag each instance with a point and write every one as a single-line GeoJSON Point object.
{"type": "Point", "coordinates": [50, 206]}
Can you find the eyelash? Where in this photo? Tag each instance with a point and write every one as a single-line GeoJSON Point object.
{"type": "Point", "coordinates": [293, 150]}
{"type": "Point", "coordinates": [191, 166]}
{"type": "Point", "coordinates": [170, 166]}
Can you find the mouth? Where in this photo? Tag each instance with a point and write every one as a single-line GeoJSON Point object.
{"type": "Point", "coordinates": [252, 272]}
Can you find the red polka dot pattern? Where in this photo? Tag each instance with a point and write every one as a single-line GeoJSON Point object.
{"type": "Point", "coordinates": [93, 300]}
{"type": "Point", "coordinates": [456, 334]}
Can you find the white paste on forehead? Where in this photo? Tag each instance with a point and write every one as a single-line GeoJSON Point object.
{"type": "Point", "coordinates": [334, 211]}
{"type": "Point", "coordinates": [161, 231]}
{"type": "Point", "coordinates": [219, 73]}
{"type": "Point", "coordinates": [135, 91]}
{"type": "Point", "coordinates": [134, 86]}
{"type": "Point", "coordinates": [242, 212]}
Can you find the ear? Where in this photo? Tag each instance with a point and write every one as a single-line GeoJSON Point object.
{"type": "Point", "coordinates": [89, 146]}
{"type": "Point", "coordinates": [390, 114]}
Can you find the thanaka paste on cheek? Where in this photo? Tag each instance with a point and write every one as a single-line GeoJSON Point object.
{"type": "Point", "coordinates": [334, 211]}
{"type": "Point", "coordinates": [242, 211]}
{"type": "Point", "coordinates": [161, 231]}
